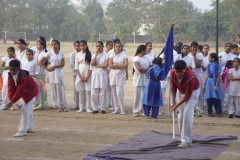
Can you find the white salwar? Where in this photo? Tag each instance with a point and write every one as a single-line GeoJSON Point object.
{"type": "Point", "coordinates": [234, 93]}
{"type": "Point", "coordinates": [109, 90]}
{"type": "Point", "coordinates": [42, 75]}
{"type": "Point", "coordinates": [186, 115]}
{"type": "Point", "coordinates": [99, 83]}
{"type": "Point", "coordinates": [84, 88]}
{"type": "Point", "coordinates": [199, 74]}
{"type": "Point", "coordinates": [57, 81]}
{"type": "Point", "coordinates": [117, 80]}
{"type": "Point", "coordinates": [139, 82]}
{"type": "Point", "coordinates": [205, 64]}
{"type": "Point", "coordinates": [5, 99]}
{"type": "Point", "coordinates": [74, 74]}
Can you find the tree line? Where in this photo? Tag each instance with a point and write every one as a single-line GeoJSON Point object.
{"type": "Point", "coordinates": [85, 19]}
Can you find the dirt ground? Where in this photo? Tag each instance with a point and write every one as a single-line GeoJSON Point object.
{"type": "Point", "coordinates": [71, 135]}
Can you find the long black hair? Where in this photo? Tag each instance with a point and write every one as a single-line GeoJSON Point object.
{"type": "Point", "coordinates": [22, 41]}
{"type": "Point", "coordinates": [88, 56]}
{"type": "Point", "coordinates": [139, 50]}
{"type": "Point", "coordinates": [43, 43]}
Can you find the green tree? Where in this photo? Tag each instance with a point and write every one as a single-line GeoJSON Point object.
{"type": "Point", "coordinates": [122, 34]}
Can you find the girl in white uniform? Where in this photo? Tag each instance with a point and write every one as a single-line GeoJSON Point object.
{"type": "Point", "coordinates": [83, 79]}
{"type": "Point", "coordinates": [234, 89]}
{"type": "Point", "coordinates": [109, 46]}
{"type": "Point", "coordinates": [118, 63]}
{"type": "Point", "coordinates": [5, 62]}
{"type": "Point", "coordinates": [141, 65]}
{"type": "Point", "coordinates": [205, 63]}
{"type": "Point", "coordinates": [22, 46]}
{"type": "Point", "coordinates": [99, 64]}
{"type": "Point", "coordinates": [41, 47]}
{"type": "Point", "coordinates": [185, 57]}
{"type": "Point", "coordinates": [150, 54]}
{"type": "Point", "coordinates": [30, 65]}
{"type": "Point", "coordinates": [57, 81]}
{"type": "Point", "coordinates": [35, 48]}
{"type": "Point", "coordinates": [226, 55]}
{"type": "Point", "coordinates": [72, 59]}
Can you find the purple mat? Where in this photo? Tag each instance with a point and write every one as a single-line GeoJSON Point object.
{"type": "Point", "coordinates": [151, 145]}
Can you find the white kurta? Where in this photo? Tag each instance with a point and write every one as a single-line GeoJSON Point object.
{"type": "Point", "coordinates": [100, 75]}
{"type": "Point", "coordinates": [224, 57]}
{"type": "Point", "coordinates": [140, 79]}
{"type": "Point", "coordinates": [21, 56]}
{"type": "Point", "coordinates": [205, 64]}
{"type": "Point", "coordinates": [151, 55]}
{"type": "Point", "coordinates": [31, 66]}
{"type": "Point", "coordinates": [83, 68]}
{"type": "Point", "coordinates": [57, 75]}
{"type": "Point", "coordinates": [118, 76]}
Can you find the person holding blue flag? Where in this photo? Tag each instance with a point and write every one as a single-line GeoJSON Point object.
{"type": "Point", "coordinates": [152, 97]}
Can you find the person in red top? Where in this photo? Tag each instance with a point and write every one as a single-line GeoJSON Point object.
{"type": "Point", "coordinates": [185, 88]}
{"type": "Point", "coordinates": [22, 86]}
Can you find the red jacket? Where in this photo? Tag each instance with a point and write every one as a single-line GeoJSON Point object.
{"type": "Point", "coordinates": [26, 87]}
{"type": "Point", "coordinates": [187, 85]}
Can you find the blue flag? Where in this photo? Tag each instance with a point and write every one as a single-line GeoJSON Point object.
{"type": "Point", "coordinates": [168, 52]}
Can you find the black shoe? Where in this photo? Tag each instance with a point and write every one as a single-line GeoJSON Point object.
{"type": "Point", "coordinates": [210, 115]}
{"type": "Point", "coordinates": [94, 112]}
{"type": "Point", "coordinates": [103, 112]}
{"type": "Point", "coordinates": [230, 115]}
{"type": "Point", "coordinates": [237, 116]}
{"type": "Point", "coordinates": [219, 114]}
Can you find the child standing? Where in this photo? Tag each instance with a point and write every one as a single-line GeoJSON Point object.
{"type": "Point", "coordinates": [76, 45]}
{"type": "Point", "coordinates": [140, 66]}
{"type": "Point", "coordinates": [226, 83]}
{"type": "Point", "coordinates": [22, 46]}
{"type": "Point", "coordinates": [57, 81]}
{"type": "Point", "coordinates": [109, 46]}
{"type": "Point", "coordinates": [30, 65]}
{"type": "Point", "coordinates": [41, 51]}
{"type": "Point", "coordinates": [99, 64]}
{"type": "Point", "coordinates": [150, 54]}
{"type": "Point", "coordinates": [83, 79]}
{"type": "Point", "coordinates": [213, 92]}
{"type": "Point", "coordinates": [152, 98]}
{"type": "Point", "coordinates": [22, 86]}
{"type": "Point", "coordinates": [118, 63]}
{"type": "Point", "coordinates": [234, 77]}
{"type": "Point", "coordinates": [5, 62]}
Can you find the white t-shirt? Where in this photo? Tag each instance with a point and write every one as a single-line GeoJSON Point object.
{"type": "Point", "coordinates": [140, 79]}
{"type": "Point", "coordinates": [188, 59]}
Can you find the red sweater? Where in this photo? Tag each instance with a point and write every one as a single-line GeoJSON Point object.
{"type": "Point", "coordinates": [26, 87]}
{"type": "Point", "coordinates": [187, 84]}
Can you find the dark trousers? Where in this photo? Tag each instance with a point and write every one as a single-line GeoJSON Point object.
{"type": "Point", "coordinates": [217, 105]}
{"type": "Point", "coordinates": [147, 110]}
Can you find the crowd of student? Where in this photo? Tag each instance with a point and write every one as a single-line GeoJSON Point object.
{"type": "Point", "coordinates": [99, 78]}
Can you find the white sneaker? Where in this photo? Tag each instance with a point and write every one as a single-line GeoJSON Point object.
{"type": "Point", "coordinates": [160, 113]}
{"type": "Point", "coordinates": [115, 112]}
{"type": "Point", "coordinates": [182, 145]}
{"type": "Point", "coordinates": [89, 110]}
{"type": "Point", "coordinates": [80, 111]}
{"type": "Point", "coordinates": [20, 134]}
{"type": "Point", "coordinates": [135, 114]}
{"type": "Point", "coordinates": [122, 113]}
{"type": "Point", "coordinates": [2, 108]}
{"type": "Point", "coordinates": [111, 109]}
{"type": "Point", "coordinates": [74, 108]}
